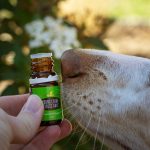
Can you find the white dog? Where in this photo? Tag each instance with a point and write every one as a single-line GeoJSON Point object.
{"type": "Point", "coordinates": [109, 94]}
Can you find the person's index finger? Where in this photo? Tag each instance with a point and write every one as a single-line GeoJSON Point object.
{"type": "Point", "coordinates": [13, 104]}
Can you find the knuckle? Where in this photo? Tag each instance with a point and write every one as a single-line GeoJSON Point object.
{"type": "Point", "coordinates": [27, 128]}
{"type": "Point", "coordinates": [5, 129]}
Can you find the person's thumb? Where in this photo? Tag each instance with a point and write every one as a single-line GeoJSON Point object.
{"type": "Point", "coordinates": [22, 128]}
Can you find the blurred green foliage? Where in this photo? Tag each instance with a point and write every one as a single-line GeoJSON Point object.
{"type": "Point", "coordinates": [14, 53]}
{"type": "Point", "coordinates": [14, 15]}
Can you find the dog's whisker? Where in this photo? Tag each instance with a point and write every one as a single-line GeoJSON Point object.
{"type": "Point", "coordinates": [96, 133]}
{"type": "Point", "coordinates": [69, 107]}
{"type": "Point", "coordinates": [84, 141]}
{"type": "Point", "coordinates": [74, 116]}
{"type": "Point", "coordinates": [75, 104]}
{"type": "Point", "coordinates": [83, 133]}
{"type": "Point", "coordinates": [102, 144]}
{"type": "Point", "coordinates": [77, 129]}
{"type": "Point", "coordinates": [73, 134]}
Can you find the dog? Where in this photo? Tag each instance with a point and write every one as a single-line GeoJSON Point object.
{"type": "Point", "coordinates": [109, 95]}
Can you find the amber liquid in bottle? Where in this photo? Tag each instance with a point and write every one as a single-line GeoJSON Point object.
{"type": "Point", "coordinates": [41, 67]}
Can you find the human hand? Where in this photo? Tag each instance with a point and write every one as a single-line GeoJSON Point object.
{"type": "Point", "coordinates": [20, 118]}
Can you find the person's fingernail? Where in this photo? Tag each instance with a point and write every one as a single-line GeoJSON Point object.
{"type": "Point", "coordinates": [33, 104]}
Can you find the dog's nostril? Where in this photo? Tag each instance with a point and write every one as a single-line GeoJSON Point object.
{"type": "Point", "coordinates": [74, 75]}
{"type": "Point", "coordinates": [70, 64]}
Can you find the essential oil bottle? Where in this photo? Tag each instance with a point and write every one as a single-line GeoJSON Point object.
{"type": "Point", "coordinates": [44, 82]}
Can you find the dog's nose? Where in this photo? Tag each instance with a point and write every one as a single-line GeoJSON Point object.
{"type": "Point", "coordinates": [70, 64]}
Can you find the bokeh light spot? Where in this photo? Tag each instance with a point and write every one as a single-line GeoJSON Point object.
{"type": "Point", "coordinates": [4, 84]}
{"type": "Point", "coordinates": [5, 14]}
{"type": "Point", "coordinates": [6, 37]}
{"type": "Point", "coordinates": [25, 50]}
{"type": "Point", "coordinates": [9, 58]}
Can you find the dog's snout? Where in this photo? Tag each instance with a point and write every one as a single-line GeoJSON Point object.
{"type": "Point", "coordinates": [70, 64]}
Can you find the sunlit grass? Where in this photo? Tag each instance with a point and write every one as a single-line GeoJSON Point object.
{"type": "Point", "coordinates": [108, 8]}
{"type": "Point", "coordinates": [131, 8]}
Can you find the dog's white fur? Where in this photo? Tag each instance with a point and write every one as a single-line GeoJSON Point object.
{"type": "Point", "coordinates": [110, 97]}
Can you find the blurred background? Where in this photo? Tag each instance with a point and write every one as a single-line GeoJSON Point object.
{"type": "Point", "coordinates": [31, 26]}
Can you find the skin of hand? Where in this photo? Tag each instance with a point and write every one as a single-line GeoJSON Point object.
{"type": "Point", "coordinates": [20, 118]}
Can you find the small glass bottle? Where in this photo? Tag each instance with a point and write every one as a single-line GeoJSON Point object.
{"type": "Point", "coordinates": [44, 83]}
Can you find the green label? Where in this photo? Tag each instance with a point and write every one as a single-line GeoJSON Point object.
{"type": "Point", "coordinates": [45, 92]}
{"type": "Point", "coordinates": [51, 100]}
